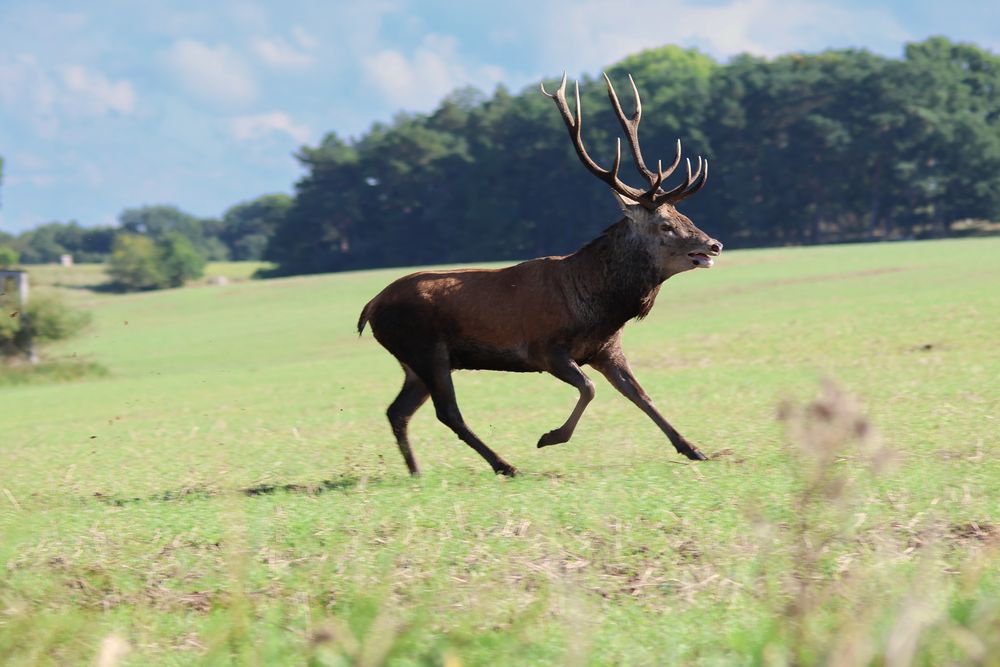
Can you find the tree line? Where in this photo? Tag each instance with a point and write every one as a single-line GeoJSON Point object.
{"type": "Point", "coordinates": [843, 145]}
{"type": "Point", "coordinates": [154, 246]}
{"type": "Point", "coordinates": [838, 146]}
{"type": "Point", "coordinates": [240, 234]}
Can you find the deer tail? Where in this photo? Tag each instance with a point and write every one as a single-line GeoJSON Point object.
{"type": "Point", "coordinates": [365, 314]}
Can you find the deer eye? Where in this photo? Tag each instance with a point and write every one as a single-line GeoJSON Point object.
{"type": "Point", "coordinates": [668, 230]}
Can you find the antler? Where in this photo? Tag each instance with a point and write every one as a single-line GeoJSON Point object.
{"type": "Point", "coordinates": [652, 198]}
{"type": "Point", "coordinates": [575, 126]}
{"type": "Point", "coordinates": [631, 128]}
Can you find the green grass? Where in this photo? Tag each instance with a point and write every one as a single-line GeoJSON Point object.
{"type": "Point", "coordinates": [85, 284]}
{"type": "Point", "coordinates": [231, 493]}
{"type": "Point", "coordinates": [20, 372]}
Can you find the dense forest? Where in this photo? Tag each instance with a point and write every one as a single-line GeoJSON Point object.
{"type": "Point", "coordinates": [838, 146]}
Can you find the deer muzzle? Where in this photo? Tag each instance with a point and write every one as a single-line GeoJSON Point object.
{"type": "Point", "coordinates": [703, 260]}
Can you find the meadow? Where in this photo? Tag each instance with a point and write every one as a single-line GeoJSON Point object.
{"type": "Point", "coordinates": [229, 492]}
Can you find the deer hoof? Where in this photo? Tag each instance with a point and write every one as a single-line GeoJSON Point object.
{"type": "Point", "coordinates": [695, 455]}
{"type": "Point", "coordinates": [505, 469]}
{"type": "Point", "coordinates": [551, 438]}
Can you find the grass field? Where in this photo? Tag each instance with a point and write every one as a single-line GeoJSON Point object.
{"type": "Point", "coordinates": [230, 492]}
{"type": "Point", "coordinates": [81, 281]}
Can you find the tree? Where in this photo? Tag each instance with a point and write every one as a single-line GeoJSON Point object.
{"type": "Point", "coordinates": [247, 227]}
{"type": "Point", "coordinates": [158, 221]}
{"type": "Point", "coordinates": [46, 243]}
{"type": "Point", "coordinates": [317, 229]}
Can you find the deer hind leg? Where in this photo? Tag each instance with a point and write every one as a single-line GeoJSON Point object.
{"type": "Point", "coordinates": [437, 377]}
{"type": "Point", "coordinates": [411, 397]}
{"type": "Point", "coordinates": [564, 368]}
{"type": "Point", "coordinates": [615, 368]}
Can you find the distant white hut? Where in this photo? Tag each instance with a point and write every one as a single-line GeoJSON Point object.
{"type": "Point", "coordinates": [66, 260]}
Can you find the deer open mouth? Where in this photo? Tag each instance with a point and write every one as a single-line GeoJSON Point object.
{"type": "Point", "coordinates": [700, 259]}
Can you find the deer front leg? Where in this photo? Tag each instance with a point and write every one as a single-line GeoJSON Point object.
{"type": "Point", "coordinates": [614, 367]}
{"type": "Point", "coordinates": [564, 368]}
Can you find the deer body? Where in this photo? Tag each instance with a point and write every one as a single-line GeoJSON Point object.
{"type": "Point", "coordinates": [508, 319]}
{"type": "Point", "coordinates": [551, 314]}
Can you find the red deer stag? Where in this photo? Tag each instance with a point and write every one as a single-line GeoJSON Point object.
{"type": "Point", "coordinates": [551, 314]}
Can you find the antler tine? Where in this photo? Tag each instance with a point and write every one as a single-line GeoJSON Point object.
{"type": "Point", "coordinates": [578, 137]}
{"type": "Point", "coordinates": [562, 87]}
{"type": "Point", "coordinates": [631, 126]}
{"type": "Point", "coordinates": [658, 181]}
{"type": "Point", "coordinates": [618, 158]}
{"type": "Point", "coordinates": [560, 97]}
{"type": "Point", "coordinates": [677, 160]}
{"type": "Point", "coordinates": [691, 184]}
{"type": "Point", "coordinates": [698, 185]}
{"type": "Point", "coordinates": [638, 102]}
{"type": "Point", "coordinates": [671, 195]}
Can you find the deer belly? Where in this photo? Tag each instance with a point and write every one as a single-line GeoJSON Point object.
{"type": "Point", "coordinates": [477, 356]}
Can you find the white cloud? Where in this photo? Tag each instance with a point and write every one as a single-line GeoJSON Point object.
{"type": "Point", "coordinates": [214, 74]}
{"type": "Point", "coordinates": [304, 39]}
{"type": "Point", "coordinates": [46, 96]}
{"type": "Point", "coordinates": [97, 94]}
{"type": "Point", "coordinates": [761, 27]}
{"type": "Point", "coordinates": [280, 54]}
{"type": "Point", "coordinates": [420, 80]}
{"type": "Point", "coordinates": [256, 126]}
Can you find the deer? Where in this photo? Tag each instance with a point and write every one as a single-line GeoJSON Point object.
{"type": "Point", "coordinates": [550, 314]}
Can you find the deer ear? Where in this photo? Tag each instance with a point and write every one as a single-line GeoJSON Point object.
{"type": "Point", "coordinates": [624, 202]}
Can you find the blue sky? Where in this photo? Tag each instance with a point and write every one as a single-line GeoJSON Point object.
{"type": "Point", "coordinates": [109, 104]}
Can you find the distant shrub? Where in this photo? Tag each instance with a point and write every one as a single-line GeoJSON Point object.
{"type": "Point", "coordinates": [47, 319]}
{"type": "Point", "coordinates": [8, 257]}
{"type": "Point", "coordinates": [10, 326]}
{"type": "Point", "coordinates": [134, 264]}
{"type": "Point", "coordinates": [140, 263]}
{"type": "Point", "coordinates": [179, 259]}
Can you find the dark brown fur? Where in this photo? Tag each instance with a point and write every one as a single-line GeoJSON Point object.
{"type": "Point", "coordinates": [551, 314]}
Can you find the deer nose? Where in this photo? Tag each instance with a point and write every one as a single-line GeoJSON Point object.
{"type": "Point", "coordinates": [715, 247]}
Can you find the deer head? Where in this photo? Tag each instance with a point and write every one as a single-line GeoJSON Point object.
{"type": "Point", "coordinates": [673, 242]}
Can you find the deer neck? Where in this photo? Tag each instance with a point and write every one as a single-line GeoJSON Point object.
{"type": "Point", "coordinates": [614, 278]}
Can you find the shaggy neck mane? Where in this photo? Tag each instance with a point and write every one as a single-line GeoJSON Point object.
{"type": "Point", "coordinates": [614, 277]}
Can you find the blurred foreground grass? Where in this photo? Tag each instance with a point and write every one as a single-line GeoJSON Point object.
{"type": "Point", "coordinates": [231, 493]}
